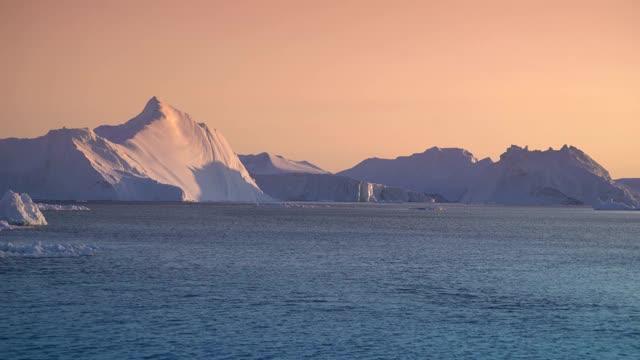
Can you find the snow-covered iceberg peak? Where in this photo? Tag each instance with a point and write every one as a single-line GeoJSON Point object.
{"type": "Point", "coordinates": [154, 110]}
{"type": "Point", "coordinates": [161, 154]}
{"type": "Point", "coordinates": [19, 209]}
{"type": "Point", "coordinates": [171, 148]}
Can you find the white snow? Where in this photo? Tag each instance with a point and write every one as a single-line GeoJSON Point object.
{"type": "Point", "coordinates": [57, 207]}
{"type": "Point", "coordinates": [19, 209]}
{"type": "Point", "coordinates": [40, 250]}
{"type": "Point", "coordinates": [269, 164]}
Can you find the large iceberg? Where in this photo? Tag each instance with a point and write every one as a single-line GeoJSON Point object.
{"type": "Point", "coordinates": [566, 176]}
{"type": "Point", "coordinates": [19, 209]}
{"type": "Point", "coordinates": [162, 154]}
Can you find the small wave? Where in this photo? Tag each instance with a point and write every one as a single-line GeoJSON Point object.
{"type": "Point", "coordinates": [48, 207]}
{"type": "Point", "coordinates": [40, 250]}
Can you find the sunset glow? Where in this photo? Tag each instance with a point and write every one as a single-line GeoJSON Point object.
{"type": "Point", "coordinates": [334, 82]}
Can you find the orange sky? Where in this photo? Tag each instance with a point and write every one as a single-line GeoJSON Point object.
{"type": "Point", "coordinates": [334, 82]}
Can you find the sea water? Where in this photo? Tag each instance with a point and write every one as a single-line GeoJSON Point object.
{"type": "Point", "coordinates": [178, 281]}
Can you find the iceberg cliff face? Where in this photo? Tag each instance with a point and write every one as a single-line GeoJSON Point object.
{"type": "Point", "coordinates": [522, 177]}
{"type": "Point", "coordinates": [159, 155]}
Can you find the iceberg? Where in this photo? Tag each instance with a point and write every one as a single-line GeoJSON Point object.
{"type": "Point", "coordinates": [161, 154]}
{"type": "Point", "coordinates": [19, 209]}
{"type": "Point", "coordinates": [566, 176]}
{"type": "Point", "coordinates": [289, 180]}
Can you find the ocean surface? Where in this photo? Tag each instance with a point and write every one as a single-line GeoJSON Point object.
{"type": "Point", "coordinates": [180, 281]}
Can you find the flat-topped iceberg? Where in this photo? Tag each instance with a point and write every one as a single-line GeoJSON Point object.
{"type": "Point", "coordinates": [19, 209]}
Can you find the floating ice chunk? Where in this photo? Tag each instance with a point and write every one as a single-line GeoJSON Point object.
{"type": "Point", "coordinates": [40, 250]}
{"type": "Point", "coordinates": [19, 209]}
{"type": "Point", "coordinates": [56, 207]}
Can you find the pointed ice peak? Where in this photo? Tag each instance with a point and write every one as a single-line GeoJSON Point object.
{"type": "Point", "coordinates": [154, 110]}
{"type": "Point", "coordinates": [158, 105]}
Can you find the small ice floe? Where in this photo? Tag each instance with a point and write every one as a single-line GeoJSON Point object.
{"type": "Point", "coordinates": [19, 209]}
{"type": "Point", "coordinates": [40, 250]}
{"type": "Point", "coordinates": [430, 208]}
{"type": "Point", "coordinates": [56, 207]}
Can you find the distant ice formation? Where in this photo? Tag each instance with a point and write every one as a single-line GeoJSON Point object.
{"type": "Point", "coordinates": [19, 209]}
{"type": "Point", "coordinates": [443, 171]}
{"type": "Point", "coordinates": [289, 180]}
{"type": "Point", "coordinates": [522, 177]}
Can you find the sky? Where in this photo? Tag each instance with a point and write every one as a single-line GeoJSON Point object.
{"type": "Point", "coordinates": [336, 81]}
